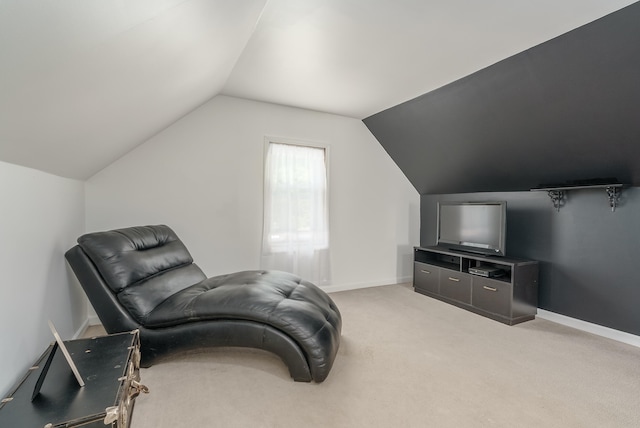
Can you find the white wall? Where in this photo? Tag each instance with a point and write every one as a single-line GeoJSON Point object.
{"type": "Point", "coordinates": [41, 216]}
{"type": "Point", "coordinates": [203, 177]}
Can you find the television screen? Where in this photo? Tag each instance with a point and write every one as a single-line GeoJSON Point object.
{"type": "Point", "coordinates": [473, 226]}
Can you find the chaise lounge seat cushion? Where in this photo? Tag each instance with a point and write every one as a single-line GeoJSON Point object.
{"type": "Point", "coordinates": [153, 277]}
{"type": "Point", "coordinates": [279, 299]}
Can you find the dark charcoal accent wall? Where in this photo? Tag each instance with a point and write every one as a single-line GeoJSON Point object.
{"type": "Point", "coordinates": [564, 110]}
{"type": "Point", "coordinates": [589, 256]}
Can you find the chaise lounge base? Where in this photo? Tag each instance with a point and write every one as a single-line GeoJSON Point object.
{"type": "Point", "coordinates": [144, 278]}
{"type": "Point", "coordinates": [227, 333]}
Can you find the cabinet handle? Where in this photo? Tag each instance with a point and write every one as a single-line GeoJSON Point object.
{"type": "Point", "coordinates": [424, 271]}
{"type": "Point", "coordinates": [454, 279]}
{"type": "Point", "coordinates": [489, 288]}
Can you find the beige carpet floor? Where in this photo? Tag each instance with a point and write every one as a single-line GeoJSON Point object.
{"type": "Point", "coordinates": [407, 361]}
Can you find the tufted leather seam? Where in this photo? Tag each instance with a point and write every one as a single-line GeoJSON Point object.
{"type": "Point", "coordinates": [275, 308]}
{"type": "Point", "coordinates": [188, 307]}
{"type": "Point", "coordinates": [324, 325]}
{"type": "Point", "coordinates": [291, 291]}
{"type": "Point", "coordinates": [147, 278]}
{"type": "Point", "coordinates": [188, 310]}
{"type": "Point", "coordinates": [166, 240]}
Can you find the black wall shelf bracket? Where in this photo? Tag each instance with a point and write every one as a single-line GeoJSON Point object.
{"type": "Point", "coordinates": [558, 195]}
{"type": "Point", "coordinates": [613, 193]}
{"type": "Point", "coordinates": [557, 198]}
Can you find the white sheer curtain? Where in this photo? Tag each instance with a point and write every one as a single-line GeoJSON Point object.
{"type": "Point", "coordinates": [296, 224]}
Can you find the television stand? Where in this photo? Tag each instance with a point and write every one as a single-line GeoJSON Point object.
{"type": "Point", "coordinates": [499, 288]}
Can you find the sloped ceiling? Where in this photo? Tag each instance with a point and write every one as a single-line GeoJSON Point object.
{"type": "Point", "coordinates": [562, 112]}
{"type": "Point", "coordinates": [82, 82]}
{"type": "Point", "coordinates": [85, 81]}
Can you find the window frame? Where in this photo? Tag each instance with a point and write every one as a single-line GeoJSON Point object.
{"type": "Point", "coordinates": [301, 143]}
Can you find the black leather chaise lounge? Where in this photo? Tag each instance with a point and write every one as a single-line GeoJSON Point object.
{"type": "Point", "coordinates": [144, 278]}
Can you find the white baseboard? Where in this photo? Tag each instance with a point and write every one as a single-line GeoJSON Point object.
{"type": "Point", "coordinates": [355, 286]}
{"type": "Point", "coordinates": [82, 329]}
{"type": "Point", "coordinates": [607, 332]}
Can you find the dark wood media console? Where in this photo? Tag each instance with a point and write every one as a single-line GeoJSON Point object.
{"type": "Point", "coordinates": [511, 297]}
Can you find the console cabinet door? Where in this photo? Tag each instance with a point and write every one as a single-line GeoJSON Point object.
{"type": "Point", "coordinates": [492, 296]}
{"type": "Point", "coordinates": [426, 277]}
{"type": "Point", "coordinates": [455, 285]}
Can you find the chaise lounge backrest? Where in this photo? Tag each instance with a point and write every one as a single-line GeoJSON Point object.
{"type": "Point", "coordinates": [142, 266]}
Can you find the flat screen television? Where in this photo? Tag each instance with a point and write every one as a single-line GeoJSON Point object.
{"type": "Point", "coordinates": [478, 227]}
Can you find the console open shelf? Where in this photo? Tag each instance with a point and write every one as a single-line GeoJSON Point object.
{"type": "Point", "coordinates": [500, 288]}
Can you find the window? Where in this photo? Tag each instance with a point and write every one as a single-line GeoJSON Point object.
{"type": "Point", "coordinates": [296, 225]}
